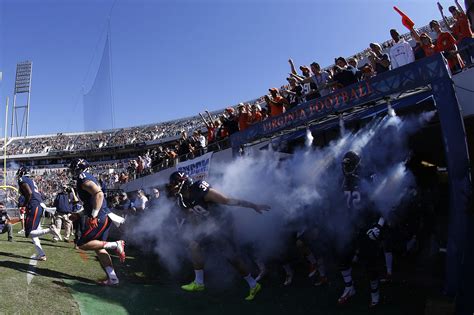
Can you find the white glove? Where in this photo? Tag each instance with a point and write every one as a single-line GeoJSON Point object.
{"type": "Point", "coordinates": [374, 233]}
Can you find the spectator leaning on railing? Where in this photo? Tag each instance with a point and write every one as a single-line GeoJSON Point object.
{"type": "Point", "coordinates": [277, 104]}
{"type": "Point", "coordinates": [401, 52]}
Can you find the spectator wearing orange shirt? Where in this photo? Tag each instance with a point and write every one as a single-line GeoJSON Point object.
{"type": "Point", "coordinates": [277, 104]}
{"type": "Point", "coordinates": [255, 114]}
{"type": "Point", "coordinates": [425, 42]}
{"type": "Point", "coordinates": [462, 31]}
{"type": "Point", "coordinates": [243, 117]}
{"type": "Point", "coordinates": [446, 44]}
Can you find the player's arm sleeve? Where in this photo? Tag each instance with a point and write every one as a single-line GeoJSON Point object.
{"type": "Point", "coordinates": [217, 197]}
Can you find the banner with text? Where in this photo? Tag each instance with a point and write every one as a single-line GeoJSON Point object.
{"type": "Point", "coordinates": [197, 168]}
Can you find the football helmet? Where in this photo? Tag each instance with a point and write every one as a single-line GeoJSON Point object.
{"type": "Point", "coordinates": [350, 163]}
{"type": "Point", "coordinates": [22, 171]}
{"type": "Point", "coordinates": [78, 166]}
{"type": "Point", "coordinates": [179, 180]}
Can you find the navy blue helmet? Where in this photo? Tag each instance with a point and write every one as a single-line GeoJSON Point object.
{"type": "Point", "coordinates": [178, 180]}
{"type": "Point", "coordinates": [78, 166]}
{"type": "Point", "coordinates": [22, 171]}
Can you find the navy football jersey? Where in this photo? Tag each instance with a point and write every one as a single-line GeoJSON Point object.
{"type": "Point", "coordinates": [36, 196]}
{"type": "Point", "coordinates": [199, 209]}
{"type": "Point", "coordinates": [358, 203]}
{"type": "Point", "coordinates": [351, 191]}
{"type": "Point", "coordinates": [85, 196]}
{"type": "Point", "coordinates": [195, 203]}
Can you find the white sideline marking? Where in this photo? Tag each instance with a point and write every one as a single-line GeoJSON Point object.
{"type": "Point", "coordinates": [31, 270]}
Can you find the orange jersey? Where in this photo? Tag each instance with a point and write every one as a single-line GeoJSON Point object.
{"type": "Point", "coordinates": [278, 108]}
{"type": "Point", "coordinates": [446, 42]}
{"type": "Point", "coordinates": [255, 118]}
{"type": "Point", "coordinates": [243, 121]}
{"type": "Point", "coordinates": [462, 28]}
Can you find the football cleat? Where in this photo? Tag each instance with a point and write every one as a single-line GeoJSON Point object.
{"type": "Point", "coordinates": [346, 295]}
{"type": "Point", "coordinates": [193, 287]}
{"type": "Point", "coordinates": [121, 250]}
{"type": "Point", "coordinates": [253, 292]}
{"type": "Point", "coordinates": [40, 258]}
{"type": "Point", "coordinates": [56, 233]}
{"type": "Point", "coordinates": [109, 282]}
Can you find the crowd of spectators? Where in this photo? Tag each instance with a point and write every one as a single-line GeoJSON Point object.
{"type": "Point", "coordinates": [190, 137]}
{"type": "Point", "coordinates": [101, 139]}
{"type": "Point", "coordinates": [313, 82]}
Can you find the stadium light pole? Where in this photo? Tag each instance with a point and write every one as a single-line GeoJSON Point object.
{"type": "Point", "coordinates": [22, 85]}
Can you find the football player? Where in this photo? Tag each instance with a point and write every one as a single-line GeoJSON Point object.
{"type": "Point", "coordinates": [364, 234]}
{"type": "Point", "coordinates": [34, 205]}
{"type": "Point", "coordinates": [98, 221]}
{"type": "Point", "coordinates": [209, 222]}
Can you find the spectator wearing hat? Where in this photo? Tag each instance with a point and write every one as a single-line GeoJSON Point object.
{"type": "Point", "coordinates": [401, 52]}
{"type": "Point", "coordinates": [380, 61]}
{"type": "Point", "coordinates": [277, 104]}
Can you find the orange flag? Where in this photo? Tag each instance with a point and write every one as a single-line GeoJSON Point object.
{"type": "Point", "coordinates": [406, 21]}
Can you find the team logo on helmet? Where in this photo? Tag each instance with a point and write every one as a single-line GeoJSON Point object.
{"type": "Point", "coordinates": [178, 180]}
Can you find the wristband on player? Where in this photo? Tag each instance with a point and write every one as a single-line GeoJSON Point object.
{"type": "Point", "coordinates": [95, 213]}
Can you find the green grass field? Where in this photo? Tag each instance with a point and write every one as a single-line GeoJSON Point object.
{"type": "Point", "coordinates": [65, 284]}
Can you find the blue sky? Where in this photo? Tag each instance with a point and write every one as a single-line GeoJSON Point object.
{"type": "Point", "coordinates": [172, 59]}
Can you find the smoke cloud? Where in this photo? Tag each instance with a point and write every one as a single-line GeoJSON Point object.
{"type": "Point", "coordinates": [303, 190]}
